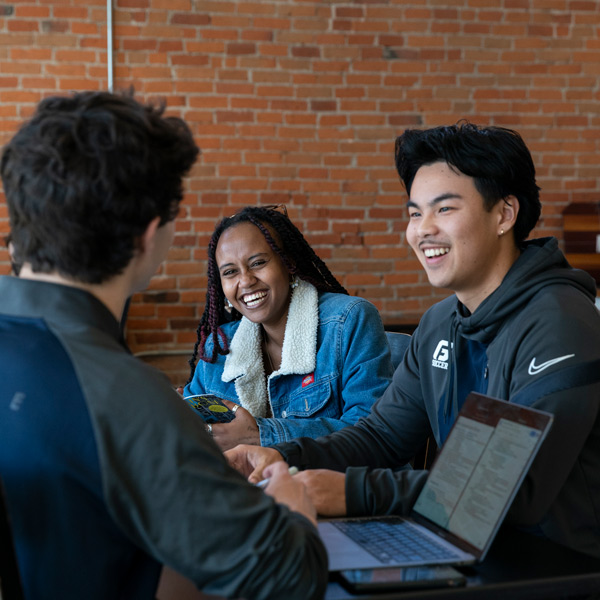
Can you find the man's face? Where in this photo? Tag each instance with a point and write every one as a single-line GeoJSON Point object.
{"type": "Point", "coordinates": [455, 238]}
{"type": "Point", "coordinates": [155, 254]}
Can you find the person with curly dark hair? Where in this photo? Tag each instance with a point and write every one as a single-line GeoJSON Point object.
{"type": "Point", "coordinates": [108, 474]}
{"type": "Point", "coordinates": [280, 339]}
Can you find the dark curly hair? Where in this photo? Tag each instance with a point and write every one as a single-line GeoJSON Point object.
{"type": "Point", "coordinates": [495, 157]}
{"type": "Point", "coordinates": [293, 249]}
{"type": "Point", "coordinates": [85, 176]}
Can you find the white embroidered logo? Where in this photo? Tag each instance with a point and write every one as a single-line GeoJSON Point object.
{"type": "Point", "coordinates": [17, 401]}
{"type": "Point", "coordinates": [535, 369]}
{"type": "Point", "coordinates": [440, 356]}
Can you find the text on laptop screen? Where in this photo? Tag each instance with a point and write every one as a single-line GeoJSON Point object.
{"type": "Point", "coordinates": [470, 483]}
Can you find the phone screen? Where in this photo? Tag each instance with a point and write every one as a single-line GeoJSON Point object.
{"type": "Point", "coordinates": [401, 578]}
{"type": "Point", "coordinates": [211, 408]}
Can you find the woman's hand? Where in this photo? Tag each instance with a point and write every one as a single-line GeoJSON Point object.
{"type": "Point", "coordinates": [242, 430]}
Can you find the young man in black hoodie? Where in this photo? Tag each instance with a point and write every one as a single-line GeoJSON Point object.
{"type": "Point", "coordinates": [521, 326]}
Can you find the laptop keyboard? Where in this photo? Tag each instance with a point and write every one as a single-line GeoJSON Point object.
{"type": "Point", "coordinates": [394, 540]}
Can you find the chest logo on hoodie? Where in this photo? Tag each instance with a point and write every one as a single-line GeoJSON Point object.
{"type": "Point", "coordinates": [440, 356]}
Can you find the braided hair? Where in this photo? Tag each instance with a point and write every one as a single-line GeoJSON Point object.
{"type": "Point", "coordinates": [290, 243]}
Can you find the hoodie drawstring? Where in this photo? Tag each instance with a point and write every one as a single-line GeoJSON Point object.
{"type": "Point", "coordinates": [451, 406]}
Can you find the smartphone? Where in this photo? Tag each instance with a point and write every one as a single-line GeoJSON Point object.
{"type": "Point", "coordinates": [397, 578]}
{"type": "Point", "coordinates": [211, 408]}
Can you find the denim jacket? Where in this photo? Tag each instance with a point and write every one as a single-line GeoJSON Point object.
{"type": "Point", "coordinates": [335, 364]}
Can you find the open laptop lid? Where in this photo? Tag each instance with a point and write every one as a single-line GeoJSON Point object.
{"type": "Point", "coordinates": [479, 470]}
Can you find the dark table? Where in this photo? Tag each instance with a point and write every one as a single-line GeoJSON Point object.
{"type": "Point", "coordinates": [518, 565]}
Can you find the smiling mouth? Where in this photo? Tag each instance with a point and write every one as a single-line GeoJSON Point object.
{"type": "Point", "coordinates": [433, 252]}
{"type": "Point", "coordinates": [251, 300]}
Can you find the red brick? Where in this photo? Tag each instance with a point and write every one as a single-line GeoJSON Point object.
{"type": "Point", "coordinates": [139, 44]}
{"type": "Point", "coordinates": [38, 12]}
{"type": "Point", "coordinates": [301, 104]}
{"type": "Point", "coordinates": [241, 48]}
{"type": "Point", "coordinates": [305, 51]}
{"type": "Point", "coordinates": [187, 18]}
{"type": "Point", "coordinates": [144, 339]}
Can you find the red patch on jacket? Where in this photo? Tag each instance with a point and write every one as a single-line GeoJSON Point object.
{"type": "Point", "coordinates": [308, 380]}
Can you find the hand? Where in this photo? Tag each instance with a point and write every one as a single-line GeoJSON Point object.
{"type": "Point", "coordinates": [251, 460]}
{"type": "Point", "coordinates": [242, 430]}
{"type": "Point", "coordinates": [288, 490]}
{"type": "Point", "coordinates": [326, 489]}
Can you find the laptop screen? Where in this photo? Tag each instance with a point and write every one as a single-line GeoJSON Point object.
{"type": "Point", "coordinates": [483, 463]}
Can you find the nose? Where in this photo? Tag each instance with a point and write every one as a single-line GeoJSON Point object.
{"type": "Point", "coordinates": [426, 225]}
{"type": "Point", "coordinates": [247, 278]}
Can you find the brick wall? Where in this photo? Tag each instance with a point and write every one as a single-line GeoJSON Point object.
{"type": "Point", "coordinates": [299, 101]}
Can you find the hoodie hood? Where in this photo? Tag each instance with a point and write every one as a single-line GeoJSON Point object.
{"type": "Point", "coordinates": [540, 265]}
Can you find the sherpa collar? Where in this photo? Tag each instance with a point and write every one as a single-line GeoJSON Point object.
{"type": "Point", "coordinates": [244, 362]}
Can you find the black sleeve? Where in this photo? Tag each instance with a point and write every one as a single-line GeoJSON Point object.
{"type": "Point", "coordinates": [171, 490]}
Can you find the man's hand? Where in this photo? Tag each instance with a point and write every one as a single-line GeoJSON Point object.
{"type": "Point", "coordinates": [251, 460]}
{"type": "Point", "coordinates": [288, 490]}
{"type": "Point", "coordinates": [326, 489]}
{"type": "Point", "coordinates": [242, 430]}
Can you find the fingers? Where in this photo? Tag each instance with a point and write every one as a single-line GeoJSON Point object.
{"type": "Point", "coordinates": [232, 405]}
{"type": "Point", "coordinates": [241, 430]}
{"type": "Point", "coordinates": [238, 459]}
{"type": "Point", "coordinates": [256, 475]}
{"type": "Point", "coordinates": [327, 491]}
{"type": "Point", "coordinates": [250, 460]}
{"type": "Point", "coordinates": [288, 490]}
{"type": "Point", "coordinates": [276, 468]}
{"type": "Point", "coordinates": [261, 459]}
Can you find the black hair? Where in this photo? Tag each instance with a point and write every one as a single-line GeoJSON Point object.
{"type": "Point", "coordinates": [84, 177]}
{"type": "Point", "coordinates": [291, 247]}
{"type": "Point", "coordinates": [496, 158]}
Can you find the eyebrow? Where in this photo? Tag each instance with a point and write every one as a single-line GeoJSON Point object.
{"type": "Point", "coordinates": [436, 200]}
{"type": "Point", "coordinates": [250, 258]}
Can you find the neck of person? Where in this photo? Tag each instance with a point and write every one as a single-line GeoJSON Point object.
{"type": "Point", "coordinates": [471, 299]}
{"type": "Point", "coordinates": [272, 346]}
{"type": "Point", "coordinates": [113, 293]}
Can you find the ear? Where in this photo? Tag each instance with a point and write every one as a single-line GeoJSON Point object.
{"type": "Point", "coordinates": [508, 210]}
{"type": "Point", "coordinates": [146, 240]}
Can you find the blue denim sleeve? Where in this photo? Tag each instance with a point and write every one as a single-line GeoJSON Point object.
{"type": "Point", "coordinates": [273, 431]}
{"type": "Point", "coordinates": [195, 386]}
{"type": "Point", "coordinates": [364, 371]}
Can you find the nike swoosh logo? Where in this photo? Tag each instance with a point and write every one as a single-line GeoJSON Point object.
{"type": "Point", "coordinates": [535, 369]}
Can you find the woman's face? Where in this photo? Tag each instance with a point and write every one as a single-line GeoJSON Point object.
{"type": "Point", "coordinates": [253, 277]}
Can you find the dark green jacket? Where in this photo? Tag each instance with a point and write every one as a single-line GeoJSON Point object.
{"type": "Point", "coordinates": [109, 474]}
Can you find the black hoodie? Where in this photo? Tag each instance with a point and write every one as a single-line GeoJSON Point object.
{"type": "Point", "coordinates": [539, 324]}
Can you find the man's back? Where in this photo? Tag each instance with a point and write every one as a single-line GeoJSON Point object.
{"type": "Point", "coordinates": [50, 463]}
{"type": "Point", "coordinates": [105, 468]}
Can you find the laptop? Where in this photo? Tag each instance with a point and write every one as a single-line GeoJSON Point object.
{"type": "Point", "coordinates": [467, 494]}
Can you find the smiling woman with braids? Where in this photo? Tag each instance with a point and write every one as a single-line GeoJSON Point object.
{"type": "Point", "coordinates": [281, 338]}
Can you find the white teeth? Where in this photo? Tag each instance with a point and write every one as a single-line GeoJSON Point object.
{"type": "Point", "coordinates": [253, 299]}
{"type": "Point", "coordinates": [431, 252]}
